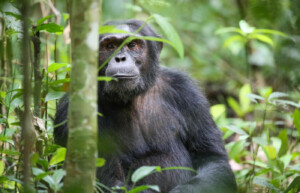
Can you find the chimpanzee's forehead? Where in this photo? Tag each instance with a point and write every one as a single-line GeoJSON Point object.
{"type": "Point", "coordinates": [125, 27]}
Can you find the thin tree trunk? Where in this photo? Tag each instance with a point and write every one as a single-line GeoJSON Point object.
{"type": "Point", "coordinates": [82, 116]}
{"type": "Point", "coordinates": [27, 126]}
{"type": "Point", "coordinates": [37, 74]}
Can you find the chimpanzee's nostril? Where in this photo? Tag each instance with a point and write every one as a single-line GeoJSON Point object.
{"type": "Point", "coordinates": [120, 59]}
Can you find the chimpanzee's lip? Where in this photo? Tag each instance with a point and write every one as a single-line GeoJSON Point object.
{"type": "Point", "coordinates": [124, 76]}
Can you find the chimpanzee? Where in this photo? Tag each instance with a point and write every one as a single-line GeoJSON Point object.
{"type": "Point", "coordinates": [153, 116]}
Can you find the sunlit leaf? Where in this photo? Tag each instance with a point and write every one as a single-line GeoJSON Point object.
{"type": "Point", "coordinates": [270, 152]}
{"type": "Point", "coordinates": [245, 102]}
{"type": "Point", "coordinates": [228, 30]}
{"type": "Point", "coordinates": [171, 34]}
{"type": "Point", "coordinates": [235, 106]}
{"type": "Point", "coordinates": [106, 78]}
{"type": "Point", "coordinates": [2, 166]}
{"type": "Point", "coordinates": [58, 156]}
{"type": "Point", "coordinates": [235, 38]}
{"type": "Point", "coordinates": [245, 27]}
{"type": "Point", "coordinates": [262, 38]}
{"type": "Point", "coordinates": [297, 120]}
{"type": "Point", "coordinates": [269, 31]}
{"type": "Point", "coordinates": [55, 66]}
{"type": "Point", "coordinates": [110, 29]}
{"type": "Point", "coordinates": [100, 162]}
{"type": "Point", "coordinates": [217, 111]}
{"type": "Point", "coordinates": [284, 143]}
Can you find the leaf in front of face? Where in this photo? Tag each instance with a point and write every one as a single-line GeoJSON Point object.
{"type": "Point", "coordinates": [111, 29]}
{"type": "Point", "coordinates": [171, 34]}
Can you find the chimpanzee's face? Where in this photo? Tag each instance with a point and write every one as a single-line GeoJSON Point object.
{"type": "Point", "coordinates": [134, 66]}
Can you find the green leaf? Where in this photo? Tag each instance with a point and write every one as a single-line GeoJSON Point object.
{"type": "Point", "coordinates": [57, 176]}
{"type": "Point", "coordinates": [265, 183]}
{"type": "Point", "coordinates": [235, 106]}
{"type": "Point", "coordinates": [145, 187]}
{"type": "Point", "coordinates": [294, 185]}
{"type": "Point", "coordinates": [245, 27]}
{"type": "Point", "coordinates": [270, 152]}
{"type": "Point", "coordinates": [54, 95]}
{"type": "Point", "coordinates": [269, 31]}
{"type": "Point", "coordinates": [40, 21]}
{"type": "Point", "coordinates": [171, 34]}
{"type": "Point", "coordinates": [235, 38]}
{"type": "Point", "coordinates": [106, 78]}
{"type": "Point", "coordinates": [100, 162]}
{"type": "Point", "coordinates": [229, 30]}
{"type": "Point", "coordinates": [236, 129]}
{"type": "Point", "coordinates": [284, 143]}
{"type": "Point", "coordinates": [55, 66]}
{"type": "Point", "coordinates": [2, 166]}
{"type": "Point", "coordinates": [50, 27]}
{"type": "Point", "coordinates": [245, 102]}
{"type": "Point", "coordinates": [142, 172]}
{"type": "Point", "coordinates": [275, 95]}
{"type": "Point", "coordinates": [254, 97]}
{"type": "Point", "coordinates": [217, 111]}
{"type": "Point", "coordinates": [110, 29]}
{"type": "Point", "coordinates": [262, 38]}
{"type": "Point", "coordinates": [58, 156]}
{"type": "Point", "coordinates": [236, 149]}
{"type": "Point", "coordinates": [297, 120]}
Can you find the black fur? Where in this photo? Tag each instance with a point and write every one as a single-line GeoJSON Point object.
{"type": "Point", "coordinates": [162, 120]}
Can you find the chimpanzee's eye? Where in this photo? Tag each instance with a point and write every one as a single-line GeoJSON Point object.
{"type": "Point", "coordinates": [110, 46]}
{"type": "Point", "coordinates": [131, 45]}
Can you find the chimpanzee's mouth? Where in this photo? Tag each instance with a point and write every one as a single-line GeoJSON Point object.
{"type": "Point", "coordinates": [124, 76]}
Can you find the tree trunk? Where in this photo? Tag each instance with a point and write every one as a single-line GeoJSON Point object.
{"type": "Point", "coordinates": [82, 116]}
{"type": "Point", "coordinates": [27, 126]}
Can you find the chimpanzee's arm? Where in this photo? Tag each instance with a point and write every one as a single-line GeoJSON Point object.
{"type": "Point", "coordinates": [203, 140]}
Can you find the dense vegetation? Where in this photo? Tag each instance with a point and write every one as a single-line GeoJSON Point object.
{"type": "Point", "coordinates": [245, 54]}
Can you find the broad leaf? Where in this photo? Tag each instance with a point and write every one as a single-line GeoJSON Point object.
{"type": "Point", "coordinates": [58, 156]}
{"type": "Point", "coordinates": [297, 120]}
{"type": "Point", "coordinates": [143, 171]}
{"type": "Point", "coordinates": [244, 100]}
{"type": "Point", "coordinates": [40, 21]}
{"type": "Point", "coordinates": [54, 95]}
{"type": "Point", "coordinates": [171, 34]}
{"type": "Point", "coordinates": [145, 187]}
{"type": "Point", "coordinates": [262, 38]}
{"type": "Point", "coordinates": [50, 27]}
{"type": "Point", "coordinates": [269, 31]}
{"type": "Point", "coordinates": [100, 162]}
{"type": "Point", "coordinates": [55, 66]}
